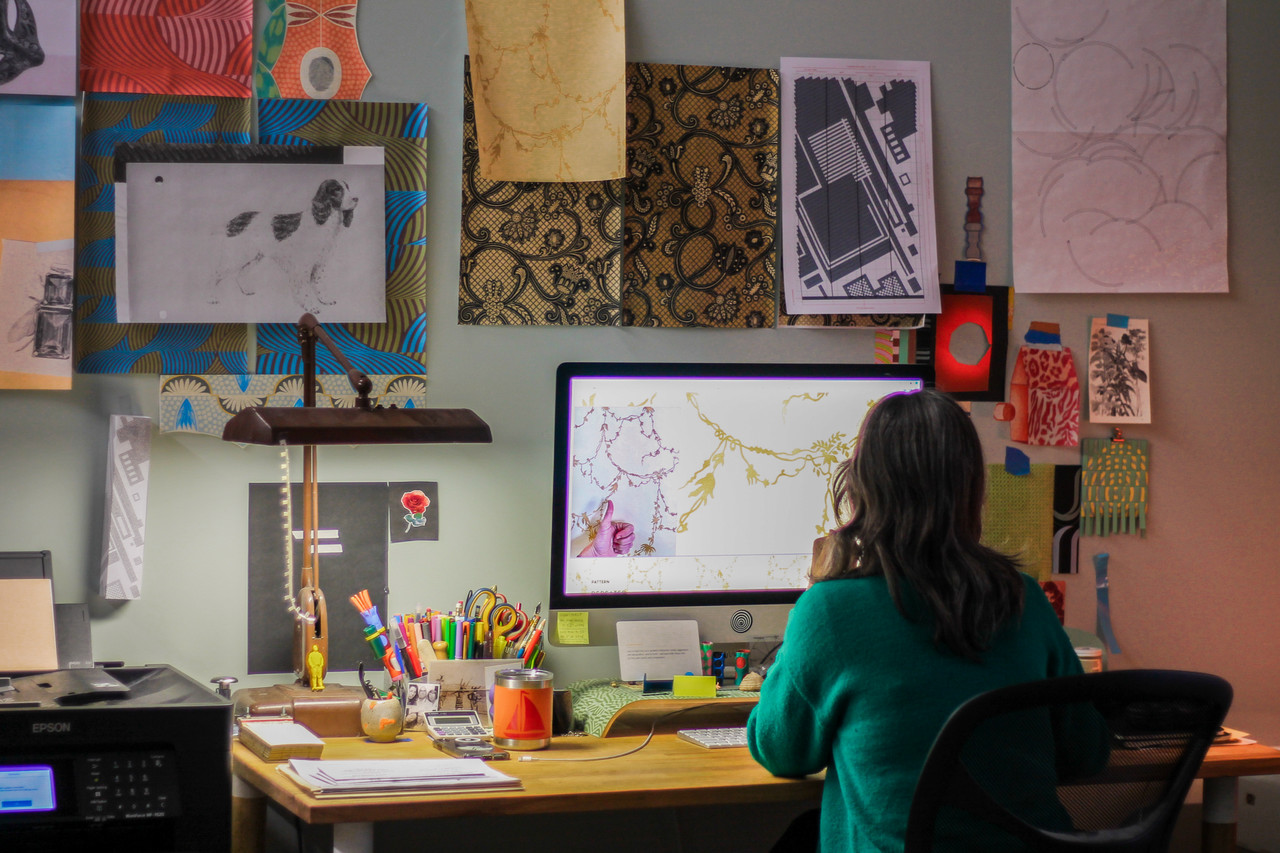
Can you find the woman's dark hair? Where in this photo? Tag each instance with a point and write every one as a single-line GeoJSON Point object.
{"type": "Point", "coordinates": [913, 493]}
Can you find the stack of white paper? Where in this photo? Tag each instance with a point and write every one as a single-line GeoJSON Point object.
{"type": "Point", "coordinates": [279, 739]}
{"type": "Point", "coordinates": [392, 776]}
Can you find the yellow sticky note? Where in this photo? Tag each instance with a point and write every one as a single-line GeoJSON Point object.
{"type": "Point", "coordinates": [695, 686]}
{"type": "Point", "coordinates": [571, 629]}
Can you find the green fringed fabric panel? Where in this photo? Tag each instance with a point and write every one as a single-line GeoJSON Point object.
{"type": "Point", "coordinates": [1113, 486]}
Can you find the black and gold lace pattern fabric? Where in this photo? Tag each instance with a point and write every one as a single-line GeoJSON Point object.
{"type": "Point", "coordinates": [701, 196]}
{"type": "Point", "coordinates": [691, 243]}
{"type": "Point", "coordinates": [537, 254]}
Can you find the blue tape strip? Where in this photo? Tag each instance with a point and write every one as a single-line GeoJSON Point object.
{"type": "Point", "coordinates": [1104, 603]}
{"type": "Point", "coordinates": [1118, 321]}
{"type": "Point", "coordinates": [1035, 336]}
{"type": "Point", "coordinates": [971, 277]}
{"type": "Point", "coordinates": [1016, 462]}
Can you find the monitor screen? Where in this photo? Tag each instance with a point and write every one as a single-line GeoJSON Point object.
{"type": "Point", "coordinates": [680, 487]}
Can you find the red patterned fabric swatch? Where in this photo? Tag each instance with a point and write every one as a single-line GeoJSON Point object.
{"type": "Point", "coordinates": [167, 47]}
{"type": "Point", "coordinates": [1046, 393]}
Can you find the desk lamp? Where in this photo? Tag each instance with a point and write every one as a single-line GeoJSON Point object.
{"type": "Point", "coordinates": [309, 426]}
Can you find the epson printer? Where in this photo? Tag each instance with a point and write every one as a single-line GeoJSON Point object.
{"type": "Point", "coordinates": [127, 758]}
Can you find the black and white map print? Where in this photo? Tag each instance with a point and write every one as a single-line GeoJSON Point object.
{"type": "Point", "coordinates": [857, 207]}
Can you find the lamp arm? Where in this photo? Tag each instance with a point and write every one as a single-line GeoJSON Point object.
{"type": "Point", "coordinates": [309, 332]}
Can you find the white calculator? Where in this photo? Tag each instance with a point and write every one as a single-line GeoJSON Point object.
{"type": "Point", "coordinates": [715, 738]}
{"type": "Point", "coordinates": [448, 724]}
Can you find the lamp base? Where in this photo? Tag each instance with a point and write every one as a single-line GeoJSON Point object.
{"type": "Point", "coordinates": [331, 712]}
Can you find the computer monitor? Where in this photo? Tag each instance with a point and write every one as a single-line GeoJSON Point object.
{"type": "Point", "coordinates": [723, 473]}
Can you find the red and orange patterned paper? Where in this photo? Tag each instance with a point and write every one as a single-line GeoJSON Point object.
{"type": "Point", "coordinates": [167, 47]}
{"type": "Point", "coordinates": [321, 55]}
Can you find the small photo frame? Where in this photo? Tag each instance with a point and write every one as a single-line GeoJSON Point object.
{"type": "Point", "coordinates": [421, 695]}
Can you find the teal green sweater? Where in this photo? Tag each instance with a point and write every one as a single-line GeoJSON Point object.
{"type": "Point", "coordinates": [861, 691]}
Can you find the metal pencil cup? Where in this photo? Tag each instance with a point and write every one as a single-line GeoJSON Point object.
{"type": "Point", "coordinates": [522, 708]}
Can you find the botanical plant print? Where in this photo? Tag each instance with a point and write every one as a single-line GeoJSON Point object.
{"type": "Point", "coordinates": [1119, 379]}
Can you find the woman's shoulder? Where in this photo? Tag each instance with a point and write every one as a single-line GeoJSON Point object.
{"type": "Point", "coordinates": [1032, 589]}
{"type": "Point", "coordinates": [1030, 583]}
{"type": "Point", "coordinates": [844, 591]}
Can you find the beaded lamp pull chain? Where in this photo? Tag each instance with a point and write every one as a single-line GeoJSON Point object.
{"type": "Point", "coordinates": [286, 515]}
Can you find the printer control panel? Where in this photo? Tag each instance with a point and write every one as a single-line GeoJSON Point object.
{"type": "Point", "coordinates": [127, 785]}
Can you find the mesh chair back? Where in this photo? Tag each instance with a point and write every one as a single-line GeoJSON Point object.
{"type": "Point", "coordinates": [1097, 762]}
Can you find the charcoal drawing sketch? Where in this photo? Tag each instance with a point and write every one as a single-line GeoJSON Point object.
{"type": "Point", "coordinates": [1119, 146]}
{"type": "Point", "coordinates": [45, 328]}
{"type": "Point", "coordinates": [19, 44]}
{"type": "Point", "coordinates": [38, 47]}
{"type": "Point", "coordinates": [37, 299]}
{"type": "Point", "coordinates": [258, 249]}
{"type": "Point", "coordinates": [251, 242]}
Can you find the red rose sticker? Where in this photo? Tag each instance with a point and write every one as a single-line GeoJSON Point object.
{"type": "Point", "coordinates": [416, 502]}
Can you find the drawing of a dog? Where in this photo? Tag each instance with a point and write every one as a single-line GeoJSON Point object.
{"type": "Point", "coordinates": [265, 250]}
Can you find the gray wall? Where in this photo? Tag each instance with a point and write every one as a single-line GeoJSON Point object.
{"type": "Point", "coordinates": [1198, 592]}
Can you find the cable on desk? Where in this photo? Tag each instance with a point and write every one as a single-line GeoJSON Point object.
{"type": "Point", "coordinates": [765, 660]}
{"type": "Point", "coordinates": [652, 730]}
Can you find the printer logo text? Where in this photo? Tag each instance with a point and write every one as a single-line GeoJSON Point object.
{"type": "Point", "coordinates": [50, 728]}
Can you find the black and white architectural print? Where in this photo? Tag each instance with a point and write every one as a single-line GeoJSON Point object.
{"type": "Point", "coordinates": [124, 528]}
{"type": "Point", "coordinates": [251, 242]}
{"type": "Point", "coordinates": [857, 175]}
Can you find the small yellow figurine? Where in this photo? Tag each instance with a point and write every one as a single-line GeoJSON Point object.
{"type": "Point", "coordinates": [315, 666]}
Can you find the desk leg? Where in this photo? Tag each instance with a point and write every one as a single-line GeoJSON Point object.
{"type": "Point", "coordinates": [1218, 831]}
{"type": "Point", "coordinates": [353, 838]}
{"type": "Point", "coordinates": [248, 817]}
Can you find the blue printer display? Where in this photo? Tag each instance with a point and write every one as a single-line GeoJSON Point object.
{"type": "Point", "coordinates": [131, 758]}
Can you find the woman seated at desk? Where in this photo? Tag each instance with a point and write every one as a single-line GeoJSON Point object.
{"type": "Point", "coordinates": [909, 616]}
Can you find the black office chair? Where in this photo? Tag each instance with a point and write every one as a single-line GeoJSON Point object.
{"type": "Point", "coordinates": [1098, 762]}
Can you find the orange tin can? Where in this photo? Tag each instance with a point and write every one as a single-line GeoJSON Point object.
{"type": "Point", "coordinates": [522, 700]}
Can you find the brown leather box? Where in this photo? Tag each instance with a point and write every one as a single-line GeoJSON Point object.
{"type": "Point", "coordinates": [331, 712]}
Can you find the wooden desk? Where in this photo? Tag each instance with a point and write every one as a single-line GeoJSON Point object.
{"type": "Point", "coordinates": [667, 773]}
{"type": "Point", "coordinates": [1221, 772]}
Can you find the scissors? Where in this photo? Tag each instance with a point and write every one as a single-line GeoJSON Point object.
{"type": "Point", "coordinates": [481, 604]}
{"type": "Point", "coordinates": [506, 623]}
